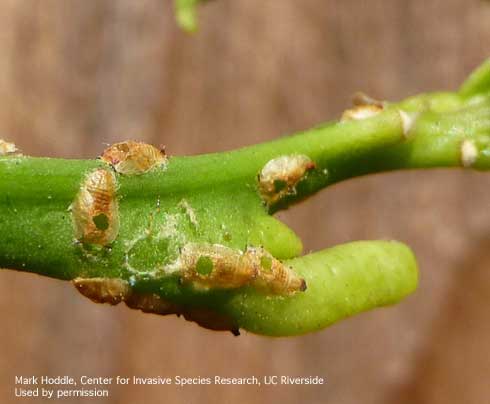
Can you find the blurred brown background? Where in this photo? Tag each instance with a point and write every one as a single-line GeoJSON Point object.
{"type": "Point", "coordinates": [75, 75]}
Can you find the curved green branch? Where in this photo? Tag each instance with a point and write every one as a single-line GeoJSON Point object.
{"type": "Point", "coordinates": [195, 236]}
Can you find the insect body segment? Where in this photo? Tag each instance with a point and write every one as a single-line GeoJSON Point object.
{"type": "Point", "coordinates": [133, 158]}
{"type": "Point", "coordinates": [95, 209]}
{"type": "Point", "coordinates": [218, 266]}
{"type": "Point", "coordinates": [280, 176]}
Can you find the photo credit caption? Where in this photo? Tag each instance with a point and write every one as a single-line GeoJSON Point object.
{"type": "Point", "coordinates": [61, 387]}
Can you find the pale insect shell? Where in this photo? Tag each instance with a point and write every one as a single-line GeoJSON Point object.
{"type": "Point", "coordinates": [230, 268]}
{"type": "Point", "coordinates": [96, 199]}
{"type": "Point", "coordinates": [289, 170]}
{"type": "Point", "coordinates": [133, 158]}
{"type": "Point", "coordinates": [361, 112]}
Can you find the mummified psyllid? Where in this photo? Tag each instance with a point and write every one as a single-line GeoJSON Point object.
{"type": "Point", "coordinates": [133, 158]}
{"type": "Point", "coordinates": [103, 290]}
{"type": "Point", "coordinates": [114, 291]}
{"type": "Point", "coordinates": [95, 209]}
{"type": "Point", "coordinates": [280, 176]}
{"type": "Point", "coordinates": [217, 266]}
{"type": "Point", "coordinates": [273, 276]}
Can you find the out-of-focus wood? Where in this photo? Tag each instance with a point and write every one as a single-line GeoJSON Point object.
{"type": "Point", "coordinates": [453, 364]}
{"type": "Point", "coordinates": [75, 75]}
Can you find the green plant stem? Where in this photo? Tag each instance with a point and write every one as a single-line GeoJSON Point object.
{"type": "Point", "coordinates": [215, 199]}
{"type": "Point", "coordinates": [215, 185]}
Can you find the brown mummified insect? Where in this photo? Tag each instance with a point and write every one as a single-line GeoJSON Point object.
{"type": "Point", "coordinates": [7, 148]}
{"type": "Point", "coordinates": [217, 266]}
{"type": "Point", "coordinates": [95, 209]}
{"type": "Point", "coordinates": [280, 176]}
{"type": "Point", "coordinates": [103, 290]}
{"type": "Point", "coordinates": [207, 318]}
{"type": "Point", "coordinates": [273, 276]}
{"type": "Point", "coordinates": [151, 303]}
{"type": "Point", "coordinates": [114, 291]}
{"type": "Point", "coordinates": [133, 158]}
